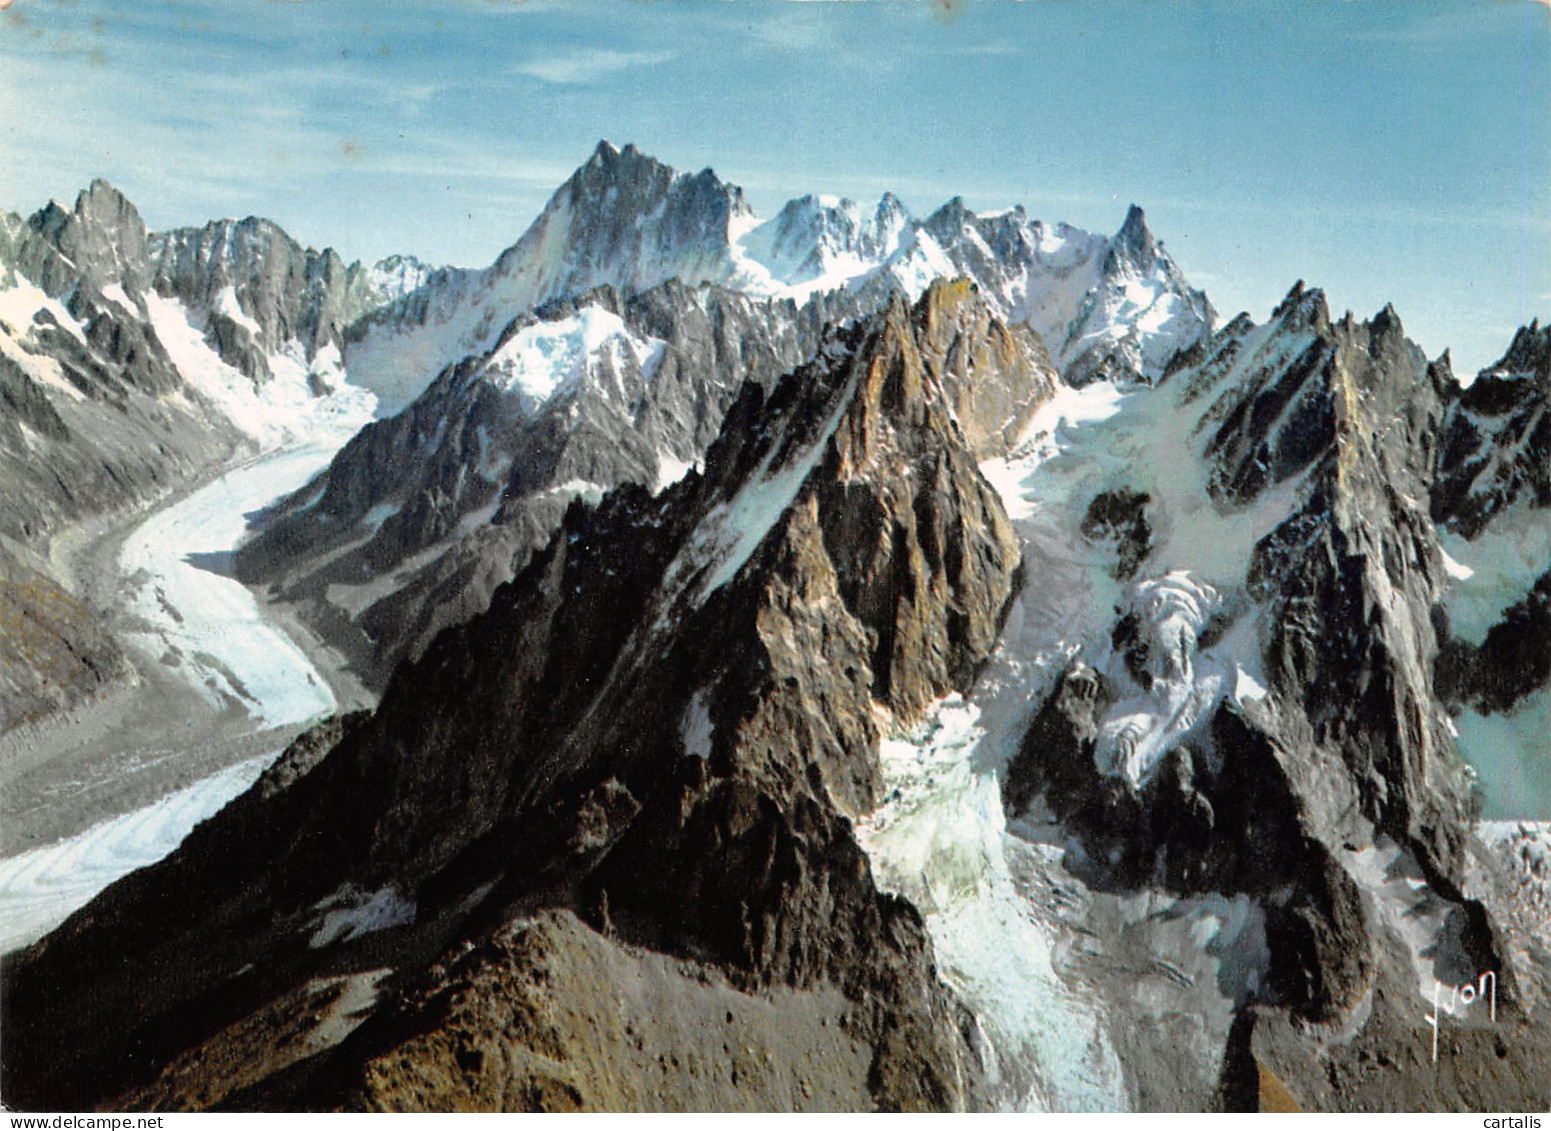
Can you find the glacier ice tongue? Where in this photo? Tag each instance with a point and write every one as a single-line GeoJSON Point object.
{"type": "Point", "coordinates": [39, 889]}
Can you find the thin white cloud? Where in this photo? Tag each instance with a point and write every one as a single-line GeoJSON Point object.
{"type": "Point", "coordinates": [988, 50]}
{"type": "Point", "coordinates": [579, 67]}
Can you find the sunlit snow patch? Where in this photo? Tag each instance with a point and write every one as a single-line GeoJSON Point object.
{"type": "Point", "coordinates": [547, 357]}
{"type": "Point", "coordinates": [670, 469]}
{"type": "Point", "coordinates": [1455, 570]}
{"type": "Point", "coordinates": [226, 304]}
{"type": "Point", "coordinates": [348, 914]}
{"type": "Point", "coordinates": [1495, 570]}
{"type": "Point", "coordinates": [284, 410]}
{"type": "Point", "coordinates": [115, 294]}
{"type": "Point", "coordinates": [20, 301]}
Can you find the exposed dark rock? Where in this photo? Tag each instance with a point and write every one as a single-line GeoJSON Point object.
{"type": "Point", "coordinates": [247, 273]}
{"type": "Point", "coordinates": [1120, 517]}
{"type": "Point", "coordinates": [1512, 662]}
{"type": "Point", "coordinates": [56, 654]}
{"type": "Point", "coordinates": [471, 450]}
{"type": "Point", "coordinates": [1493, 447]}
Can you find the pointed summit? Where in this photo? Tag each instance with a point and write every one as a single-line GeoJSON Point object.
{"type": "Point", "coordinates": [1386, 326]}
{"type": "Point", "coordinates": [1307, 305]}
{"type": "Point", "coordinates": [1134, 242]}
{"type": "Point", "coordinates": [102, 240]}
{"type": "Point", "coordinates": [949, 219]}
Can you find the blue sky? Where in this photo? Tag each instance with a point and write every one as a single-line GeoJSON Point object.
{"type": "Point", "coordinates": [1389, 152]}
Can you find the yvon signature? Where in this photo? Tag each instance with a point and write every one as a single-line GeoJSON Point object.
{"type": "Point", "coordinates": [1464, 995]}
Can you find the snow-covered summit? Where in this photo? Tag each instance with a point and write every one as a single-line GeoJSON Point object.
{"type": "Point", "coordinates": [623, 219]}
{"type": "Point", "coordinates": [824, 241]}
{"type": "Point", "coordinates": [591, 346]}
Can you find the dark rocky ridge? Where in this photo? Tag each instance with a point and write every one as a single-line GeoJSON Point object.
{"type": "Point", "coordinates": [1492, 451]}
{"type": "Point", "coordinates": [694, 802]}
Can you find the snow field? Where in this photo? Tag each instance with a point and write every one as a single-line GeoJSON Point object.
{"type": "Point", "coordinates": [284, 410]}
{"type": "Point", "coordinates": [548, 357]}
{"type": "Point", "coordinates": [349, 914]}
{"type": "Point", "coordinates": [1496, 570]}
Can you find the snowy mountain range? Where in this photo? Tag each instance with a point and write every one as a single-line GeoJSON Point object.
{"type": "Point", "coordinates": [838, 661]}
{"type": "Point", "coordinates": [626, 220]}
{"type": "Point", "coordinates": [569, 401]}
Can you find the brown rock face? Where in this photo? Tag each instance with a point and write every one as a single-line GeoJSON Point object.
{"type": "Point", "coordinates": [918, 538]}
{"type": "Point", "coordinates": [663, 726]}
{"type": "Point", "coordinates": [994, 375]}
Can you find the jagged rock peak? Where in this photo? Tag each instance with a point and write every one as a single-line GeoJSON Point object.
{"type": "Point", "coordinates": [814, 232]}
{"type": "Point", "coordinates": [1529, 353]}
{"type": "Point", "coordinates": [949, 218]}
{"type": "Point", "coordinates": [1135, 240]}
{"type": "Point", "coordinates": [1304, 305]}
{"type": "Point", "coordinates": [1492, 451]}
{"type": "Point", "coordinates": [103, 202]}
{"type": "Point", "coordinates": [889, 204]}
{"type": "Point", "coordinates": [612, 167]}
{"type": "Point", "coordinates": [102, 240]}
{"type": "Point", "coordinates": [993, 374]}
{"type": "Point", "coordinates": [1386, 324]}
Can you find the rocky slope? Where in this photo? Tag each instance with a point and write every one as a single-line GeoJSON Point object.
{"type": "Point", "coordinates": [574, 398]}
{"type": "Point", "coordinates": [1493, 479]}
{"type": "Point", "coordinates": [262, 295]}
{"type": "Point", "coordinates": [93, 421]}
{"type": "Point", "coordinates": [57, 653]}
{"type": "Point", "coordinates": [555, 793]}
{"type": "Point", "coordinates": [1496, 429]}
{"type": "Point", "coordinates": [1268, 727]}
